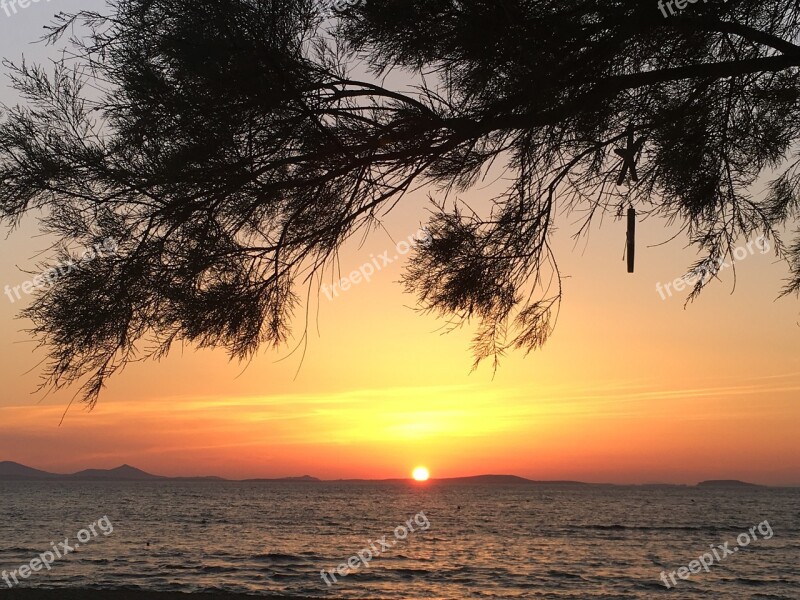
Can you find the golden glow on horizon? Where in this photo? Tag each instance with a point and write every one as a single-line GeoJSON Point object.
{"type": "Point", "coordinates": [565, 428]}
{"type": "Point", "coordinates": [421, 474]}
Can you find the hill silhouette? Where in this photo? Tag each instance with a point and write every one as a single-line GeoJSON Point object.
{"type": "Point", "coordinates": [13, 471]}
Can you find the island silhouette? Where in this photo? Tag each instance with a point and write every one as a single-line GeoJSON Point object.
{"type": "Point", "coordinates": [13, 471]}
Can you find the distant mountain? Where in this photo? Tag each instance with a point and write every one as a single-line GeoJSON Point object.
{"type": "Point", "coordinates": [12, 470]}
{"type": "Point", "coordinates": [304, 478]}
{"type": "Point", "coordinates": [504, 480]}
{"type": "Point", "coordinates": [123, 473]}
{"type": "Point", "coordinates": [727, 483]}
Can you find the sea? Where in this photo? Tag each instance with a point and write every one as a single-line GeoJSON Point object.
{"type": "Point", "coordinates": [436, 540]}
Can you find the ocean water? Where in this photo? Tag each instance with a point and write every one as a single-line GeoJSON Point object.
{"type": "Point", "coordinates": [539, 541]}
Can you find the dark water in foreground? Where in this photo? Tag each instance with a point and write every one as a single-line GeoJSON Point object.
{"type": "Point", "coordinates": [504, 542]}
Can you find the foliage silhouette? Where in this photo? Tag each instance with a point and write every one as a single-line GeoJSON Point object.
{"type": "Point", "coordinates": [230, 149]}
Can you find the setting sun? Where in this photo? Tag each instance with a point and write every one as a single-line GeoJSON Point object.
{"type": "Point", "coordinates": [421, 474]}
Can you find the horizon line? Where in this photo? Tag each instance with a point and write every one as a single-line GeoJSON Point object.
{"type": "Point", "coordinates": [312, 478]}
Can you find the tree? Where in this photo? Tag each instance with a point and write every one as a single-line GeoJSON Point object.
{"type": "Point", "coordinates": [229, 149]}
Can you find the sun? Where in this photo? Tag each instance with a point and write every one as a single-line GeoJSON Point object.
{"type": "Point", "coordinates": [420, 474]}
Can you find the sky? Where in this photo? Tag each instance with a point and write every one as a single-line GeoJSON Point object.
{"type": "Point", "coordinates": [631, 388]}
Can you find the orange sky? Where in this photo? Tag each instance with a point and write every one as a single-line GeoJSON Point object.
{"type": "Point", "coordinates": [631, 388]}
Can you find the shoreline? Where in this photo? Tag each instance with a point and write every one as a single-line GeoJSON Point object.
{"type": "Point", "coordinates": [127, 594]}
